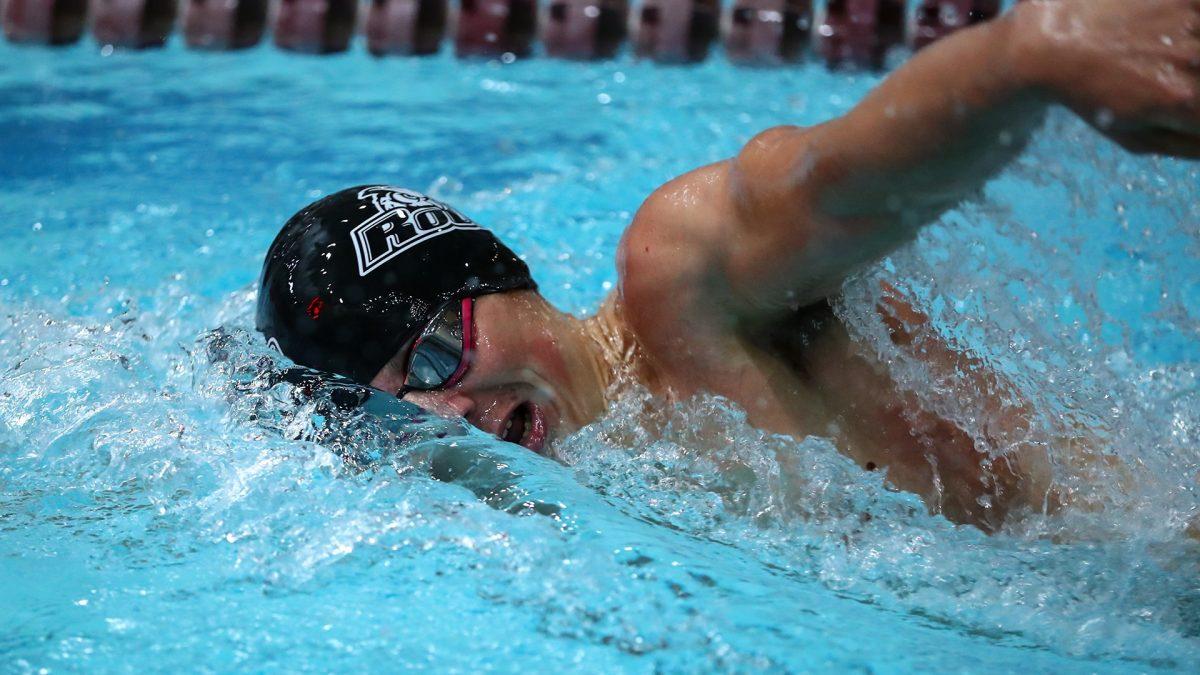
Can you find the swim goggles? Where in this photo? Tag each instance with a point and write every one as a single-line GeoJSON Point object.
{"type": "Point", "coordinates": [441, 354]}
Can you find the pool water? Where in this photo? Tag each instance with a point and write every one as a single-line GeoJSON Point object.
{"type": "Point", "coordinates": [161, 507]}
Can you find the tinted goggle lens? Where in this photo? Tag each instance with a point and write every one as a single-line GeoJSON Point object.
{"type": "Point", "coordinates": [438, 357]}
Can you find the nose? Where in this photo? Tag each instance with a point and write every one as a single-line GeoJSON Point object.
{"type": "Point", "coordinates": [451, 403]}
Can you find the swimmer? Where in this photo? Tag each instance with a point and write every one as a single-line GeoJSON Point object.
{"type": "Point", "coordinates": [726, 273]}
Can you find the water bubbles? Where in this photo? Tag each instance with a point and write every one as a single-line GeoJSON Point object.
{"type": "Point", "coordinates": [949, 14]}
{"type": "Point", "coordinates": [119, 625]}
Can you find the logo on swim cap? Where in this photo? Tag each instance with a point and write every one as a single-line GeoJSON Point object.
{"type": "Point", "coordinates": [402, 220]}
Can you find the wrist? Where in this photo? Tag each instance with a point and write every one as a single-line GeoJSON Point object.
{"type": "Point", "coordinates": [1033, 50]}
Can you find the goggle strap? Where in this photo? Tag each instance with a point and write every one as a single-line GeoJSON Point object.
{"type": "Point", "coordinates": [468, 343]}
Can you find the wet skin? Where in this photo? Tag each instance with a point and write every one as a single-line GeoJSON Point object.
{"type": "Point", "coordinates": [726, 272]}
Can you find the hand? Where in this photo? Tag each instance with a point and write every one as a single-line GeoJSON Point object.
{"type": "Point", "coordinates": [1130, 68]}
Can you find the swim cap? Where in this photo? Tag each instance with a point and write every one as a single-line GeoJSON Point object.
{"type": "Point", "coordinates": [354, 276]}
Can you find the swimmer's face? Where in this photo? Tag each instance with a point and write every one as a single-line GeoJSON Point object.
{"type": "Point", "coordinates": [519, 385]}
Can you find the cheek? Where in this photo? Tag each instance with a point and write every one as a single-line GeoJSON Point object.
{"type": "Point", "coordinates": [507, 362]}
{"type": "Point", "coordinates": [548, 359]}
{"type": "Point", "coordinates": [494, 363]}
{"type": "Point", "coordinates": [490, 412]}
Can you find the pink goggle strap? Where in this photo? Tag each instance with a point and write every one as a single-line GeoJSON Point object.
{"type": "Point", "coordinates": [468, 342]}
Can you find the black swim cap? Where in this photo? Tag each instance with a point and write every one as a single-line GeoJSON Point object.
{"type": "Point", "coordinates": [354, 276]}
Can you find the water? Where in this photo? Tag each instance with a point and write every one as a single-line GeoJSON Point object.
{"type": "Point", "coordinates": [163, 505]}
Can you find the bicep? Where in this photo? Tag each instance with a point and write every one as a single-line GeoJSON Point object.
{"type": "Point", "coordinates": [782, 247]}
{"type": "Point", "coordinates": [745, 238]}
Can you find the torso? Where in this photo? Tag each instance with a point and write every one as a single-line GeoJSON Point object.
{"type": "Point", "coordinates": [877, 424]}
{"type": "Point", "coordinates": [806, 376]}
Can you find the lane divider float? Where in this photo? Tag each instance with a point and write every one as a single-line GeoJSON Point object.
{"type": "Point", "coordinates": [843, 33]}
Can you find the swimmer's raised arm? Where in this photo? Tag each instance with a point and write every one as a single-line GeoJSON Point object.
{"type": "Point", "coordinates": [798, 209]}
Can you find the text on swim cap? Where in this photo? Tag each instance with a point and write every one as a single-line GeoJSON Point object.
{"type": "Point", "coordinates": [402, 220]}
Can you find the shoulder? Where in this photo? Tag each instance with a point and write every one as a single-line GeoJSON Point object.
{"type": "Point", "coordinates": [687, 226]}
{"type": "Point", "coordinates": [669, 247]}
{"type": "Point", "coordinates": [669, 262]}
{"type": "Point", "coordinates": [682, 208]}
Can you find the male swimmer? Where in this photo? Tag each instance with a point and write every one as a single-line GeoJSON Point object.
{"type": "Point", "coordinates": [726, 272]}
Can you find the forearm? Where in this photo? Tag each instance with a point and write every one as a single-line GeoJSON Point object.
{"type": "Point", "coordinates": [811, 205]}
{"type": "Point", "coordinates": [929, 136]}
{"type": "Point", "coordinates": [799, 209]}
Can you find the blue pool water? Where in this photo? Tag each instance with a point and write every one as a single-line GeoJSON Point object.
{"type": "Point", "coordinates": [161, 508]}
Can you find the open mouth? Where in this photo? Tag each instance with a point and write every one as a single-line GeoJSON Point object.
{"type": "Point", "coordinates": [525, 426]}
